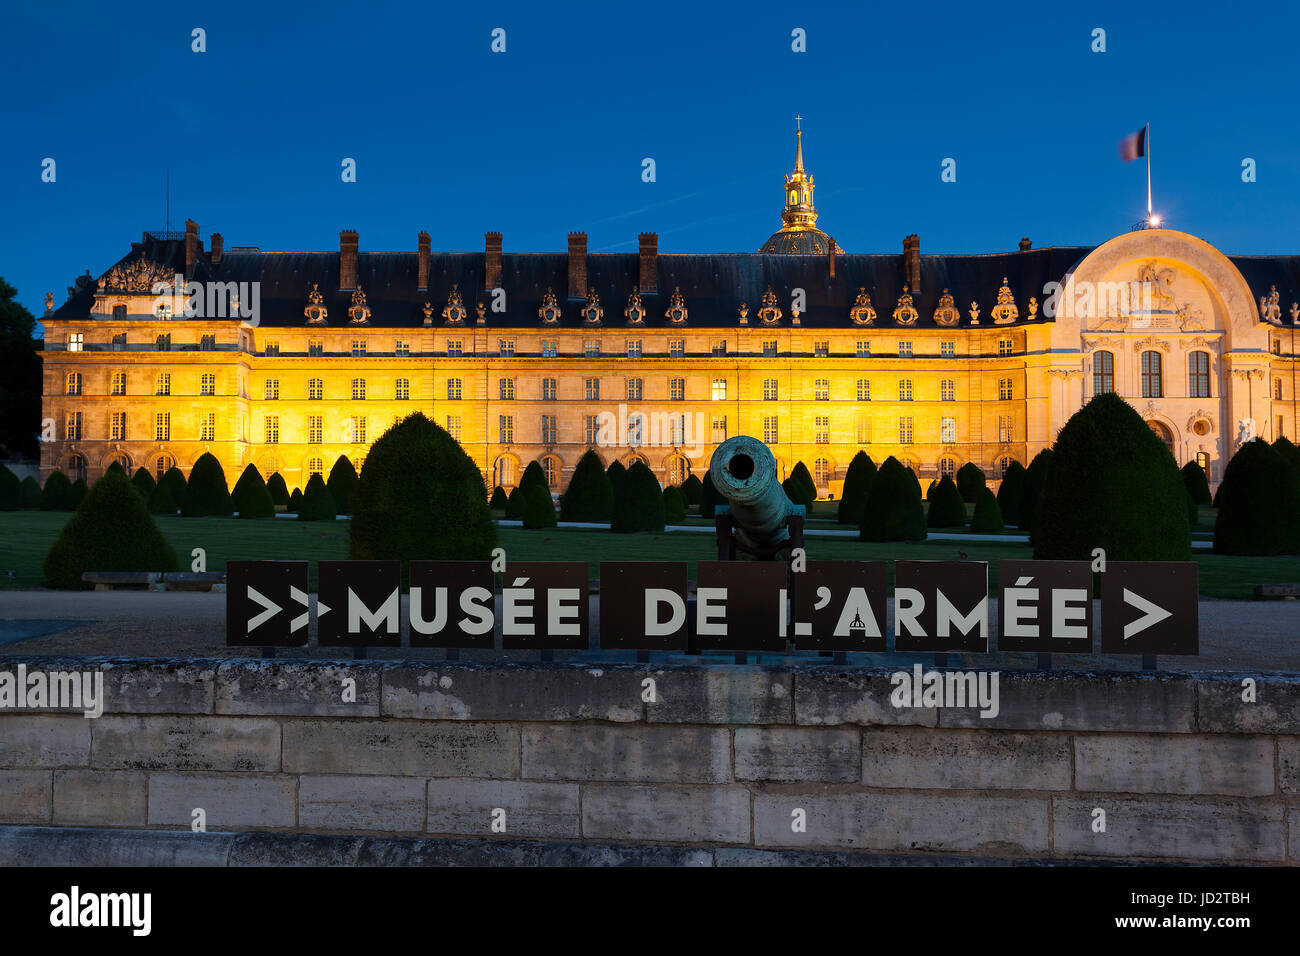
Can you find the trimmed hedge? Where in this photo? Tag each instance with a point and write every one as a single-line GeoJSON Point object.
{"type": "Point", "coordinates": [206, 492]}
{"type": "Point", "coordinates": [251, 496]}
{"type": "Point", "coordinates": [1111, 484]}
{"type": "Point", "coordinates": [916, 482]}
{"type": "Point", "coordinates": [674, 505]}
{"type": "Point", "coordinates": [515, 504]}
{"type": "Point", "coordinates": [1289, 452]}
{"type": "Point", "coordinates": [143, 482]}
{"type": "Point", "coordinates": [111, 531]}
{"type": "Point", "coordinates": [1259, 503]}
{"type": "Point", "coordinates": [970, 480]}
{"type": "Point", "coordinates": [317, 502]}
{"type": "Point", "coordinates": [709, 497]}
{"type": "Point", "coordinates": [800, 487]}
{"type": "Point", "coordinates": [616, 471]}
{"type": "Point", "coordinates": [341, 483]}
{"type": "Point", "coordinates": [590, 495]}
{"type": "Point", "coordinates": [1035, 475]}
{"type": "Point", "coordinates": [177, 483]}
{"type": "Point", "coordinates": [498, 502]}
{"type": "Point", "coordinates": [533, 475]}
{"type": "Point", "coordinates": [295, 500]}
{"type": "Point", "coordinates": [1011, 493]}
{"type": "Point", "coordinates": [1197, 485]}
{"type": "Point", "coordinates": [161, 501]}
{"type": "Point", "coordinates": [931, 488]}
{"type": "Point", "coordinates": [11, 490]}
{"type": "Point", "coordinates": [857, 483]}
{"type": "Point", "coordinates": [692, 489]}
{"type": "Point", "coordinates": [278, 489]}
{"type": "Point", "coordinates": [638, 502]}
{"type": "Point", "coordinates": [947, 510]}
{"type": "Point", "coordinates": [31, 493]}
{"type": "Point", "coordinates": [988, 514]}
{"type": "Point", "coordinates": [78, 493]}
{"type": "Point", "coordinates": [57, 493]}
{"type": "Point", "coordinates": [893, 510]}
{"type": "Point", "coordinates": [539, 509]}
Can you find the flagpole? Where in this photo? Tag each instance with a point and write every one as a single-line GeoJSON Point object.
{"type": "Point", "coordinates": [1147, 144]}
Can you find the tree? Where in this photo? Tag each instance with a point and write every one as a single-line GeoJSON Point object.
{"type": "Point", "coordinates": [295, 501]}
{"type": "Point", "coordinates": [857, 483]}
{"type": "Point", "coordinates": [161, 501]}
{"type": "Point", "coordinates": [674, 506]}
{"type": "Point", "coordinates": [77, 493]}
{"type": "Point", "coordinates": [143, 482]}
{"type": "Point", "coordinates": [617, 472]}
{"type": "Point", "coordinates": [111, 531]}
{"type": "Point", "coordinates": [692, 489]}
{"type": "Point", "coordinates": [176, 483]}
{"type": "Point", "coordinates": [638, 502]}
{"type": "Point", "coordinates": [341, 483]}
{"type": "Point", "coordinates": [590, 495]}
{"type": "Point", "coordinates": [206, 492]}
{"type": "Point", "coordinates": [533, 475]}
{"type": "Point", "coordinates": [420, 497]}
{"type": "Point", "coordinates": [515, 504]}
{"type": "Point", "coordinates": [317, 502]}
{"type": "Point", "coordinates": [970, 479]}
{"type": "Point", "coordinates": [254, 498]}
{"type": "Point", "coordinates": [57, 493]}
{"type": "Point", "coordinates": [1011, 492]}
{"type": "Point", "coordinates": [1259, 503]}
{"type": "Point", "coordinates": [988, 514]}
{"type": "Point", "coordinates": [931, 488]}
{"type": "Point", "coordinates": [916, 482]}
{"type": "Point", "coordinates": [11, 490]}
{"type": "Point", "coordinates": [31, 493]}
{"type": "Point", "coordinates": [278, 490]}
{"type": "Point", "coordinates": [1289, 452]}
{"type": "Point", "coordinates": [498, 502]}
{"type": "Point", "coordinates": [947, 510]}
{"type": "Point", "coordinates": [117, 466]}
{"type": "Point", "coordinates": [242, 483]}
{"type": "Point", "coordinates": [1111, 484]}
{"type": "Point", "coordinates": [799, 487]}
{"type": "Point", "coordinates": [1035, 475]}
{"type": "Point", "coordinates": [1196, 483]}
{"type": "Point", "coordinates": [539, 509]}
{"type": "Point", "coordinates": [893, 511]}
{"type": "Point", "coordinates": [709, 497]}
{"type": "Point", "coordinates": [20, 378]}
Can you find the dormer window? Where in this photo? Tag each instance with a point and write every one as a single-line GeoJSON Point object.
{"type": "Point", "coordinates": [164, 310]}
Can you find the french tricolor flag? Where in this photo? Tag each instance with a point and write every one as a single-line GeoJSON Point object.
{"type": "Point", "coordinates": [1134, 145]}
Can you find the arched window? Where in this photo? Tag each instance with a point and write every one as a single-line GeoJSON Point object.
{"type": "Point", "coordinates": [316, 466]}
{"type": "Point", "coordinates": [77, 467]}
{"type": "Point", "coordinates": [821, 472]}
{"type": "Point", "coordinates": [1198, 375]}
{"type": "Point", "coordinates": [1001, 465]}
{"type": "Point", "coordinates": [505, 472]}
{"type": "Point", "coordinates": [550, 467]}
{"type": "Point", "coordinates": [947, 466]}
{"type": "Point", "coordinates": [162, 465]}
{"type": "Point", "coordinates": [1103, 373]}
{"type": "Point", "coordinates": [1163, 433]}
{"type": "Point", "coordinates": [678, 470]}
{"type": "Point", "coordinates": [1203, 462]}
{"type": "Point", "coordinates": [1152, 378]}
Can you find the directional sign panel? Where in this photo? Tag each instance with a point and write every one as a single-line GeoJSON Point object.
{"type": "Point", "coordinates": [738, 605]}
{"type": "Point", "coordinates": [643, 605]}
{"type": "Point", "coordinates": [1149, 607]}
{"type": "Point", "coordinates": [544, 605]}
{"type": "Point", "coordinates": [941, 606]}
{"type": "Point", "coordinates": [266, 603]}
{"type": "Point", "coordinates": [840, 606]}
{"type": "Point", "coordinates": [359, 604]}
{"type": "Point", "coordinates": [452, 604]}
{"type": "Point", "coordinates": [1045, 606]}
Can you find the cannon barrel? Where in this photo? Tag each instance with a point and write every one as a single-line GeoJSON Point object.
{"type": "Point", "coordinates": [743, 472]}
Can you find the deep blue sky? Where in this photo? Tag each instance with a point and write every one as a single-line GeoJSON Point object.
{"type": "Point", "coordinates": [549, 136]}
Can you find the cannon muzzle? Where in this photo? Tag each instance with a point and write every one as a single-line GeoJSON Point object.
{"type": "Point", "coordinates": [743, 472]}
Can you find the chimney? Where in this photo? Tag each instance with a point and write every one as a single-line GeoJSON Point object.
{"type": "Point", "coordinates": [648, 281]}
{"type": "Point", "coordinates": [577, 265]}
{"type": "Point", "coordinates": [834, 250]}
{"type": "Point", "coordinates": [492, 260]}
{"type": "Point", "coordinates": [422, 282]}
{"type": "Point", "coordinates": [348, 259]}
{"type": "Point", "coordinates": [1025, 244]}
{"type": "Point", "coordinates": [191, 245]}
{"type": "Point", "coordinates": [218, 247]}
{"type": "Point", "coordinates": [912, 262]}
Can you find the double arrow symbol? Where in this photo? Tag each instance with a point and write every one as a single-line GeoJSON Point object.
{"type": "Point", "coordinates": [1152, 613]}
{"type": "Point", "coordinates": [271, 609]}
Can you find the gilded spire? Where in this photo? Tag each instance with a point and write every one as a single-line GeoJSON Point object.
{"type": "Point", "coordinates": [798, 144]}
{"type": "Point", "coordinates": [799, 233]}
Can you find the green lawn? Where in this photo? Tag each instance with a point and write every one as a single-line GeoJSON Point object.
{"type": "Point", "coordinates": [27, 535]}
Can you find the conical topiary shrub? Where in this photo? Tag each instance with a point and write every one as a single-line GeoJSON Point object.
{"type": "Point", "coordinates": [498, 502]}
{"type": "Point", "coordinates": [709, 497]}
{"type": "Point", "coordinates": [278, 489]}
{"type": "Point", "coordinates": [515, 502]}
{"type": "Point", "coordinates": [111, 531]}
{"type": "Point", "coordinates": [1259, 504]}
{"type": "Point", "coordinates": [11, 490]}
{"type": "Point", "coordinates": [117, 466]}
{"type": "Point", "coordinates": [857, 483]}
{"type": "Point", "coordinates": [161, 501]}
{"type": "Point", "coordinates": [342, 480]}
{"type": "Point", "coordinates": [420, 497]}
{"type": "Point", "coordinates": [1197, 485]}
{"type": "Point", "coordinates": [931, 488]}
{"type": "Point", "coordinates": [988, 515]}
{"type": "Point", "coordinates": [947, 510]}
{"type": "Point", "coordinates": [1035, 475]}
{"type": "Point", "coordinates": [176, 483]}
{"type": "Point", "coordinates": [57, 493]}
{"type": "Point", "coordinates": [1011, 492]}
{"type": "Point", "coordinates": [916, 482]}
{"type": "Point", "coordinates": [31, 489]}
{"type": "Point", "coordinates": [692, 488]}
{"type": "Point", "coordinates": [674, 506]}
{"type": "Point", "coordinates": [539, 509]}
{"type": "Point", "coordinates": [77, 494]}
{"type": "Point", "coordinates": [1111, 484]}
{"type": "Point", "coordinates": [295, 501]}
{"type": "Point", "coordinates": [206, 493]}
{"type": "Point", "coordinates": [893, 511]}
{"type": "Point", "coordinates": [533, 475]}
{"type": "Point", "coordinates": [616, 471]}
{"type": "Point", "coordinates": [144, 483]}
{"type": "Point", "coordinates": [590, 495]}
{"type": "Point", "coordinates": [639, 502]}
{"type": "Point", "coordinates": [799, 487]}
{"type": "Point", "coordinates": [970, 479]}
{"type": "Point", "coordinates": [253, 498]}
{"type": "Point", "coordinates": [317, 502]}
{"type": "Point", "coordinates": [242, 482]}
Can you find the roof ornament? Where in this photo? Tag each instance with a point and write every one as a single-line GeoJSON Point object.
{"type": "Point", "coordinates": [481, 310]}
{"type": "Point", "coordinates": [1295, 313]}
{"type": "Point", "coordinates": [138, 276]}
{"type": "Point", "coordinates": [428, 313]}
{"type": "Point", "coordinates": [1269, 308]}
{"type": "Point", "coordinates": [905, 312]}
{"type": "Point", "coordinates": [635, 311]}
{"type": "Point", "coordinates": [947, 313]}
{"type": "Point", "coordinates": [1033, 309]}
{"type": "Point", "coordinates": [862, 312]}
{"type": "Point", "coordinates": [359, 312]}
{"type": "Point", "coordinates": [549, 313]}
{"type": "Point", "coordinates": [315, 310]}
{"type": "Point", "coordinates": [455, 311]}
{"type": "Point", "coordinates": [974, 313]}
{"type": "Point", "coordinates": [769, 313]}
{"type": "Point", "coordinates": [744, 313]}
{"type": "Point", "coordinates": [1005, 312]}
{"type": "Point", "coordinates": [592, 312]}
{"type": "Point", "coordinates": [676, 313]}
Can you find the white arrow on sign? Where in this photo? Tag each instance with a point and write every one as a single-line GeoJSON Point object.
{"type": "Point", "coordinates": [271, 609]}
{"type": "Point", "coordinates": [1152, 613]}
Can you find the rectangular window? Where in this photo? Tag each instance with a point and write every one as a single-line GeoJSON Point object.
{"type": "Point", "coordinates": [635, 432]}
{"type": "Point", "coordinates": [769, 390]}
{"type": "Point", "coordinates": [505, 429]}
{"type": "Point", "coordinates": [550, 348]}
{"type": "Point", "coordinates": [315, 348]}
{"type": "Point", "coordinates": [315, 389]}
{"type": "Point", "coordinates": [590, 429]}
{"type": "Point", "coordinates": [453, 389]}
{"type": "Point", "coordinates": [720, 348]}
{"type": "Point", "coordinates": [822, 390]}
{"type": "Point", "coordinates": [1152, 380]}
{"type": "Point", "coordinates": [677, 389]}
{"type": "Point", "coordinates": [677, 348]}
{"type": "Point", "coordinates": [904, 349]}
{"type": "Point", "coordinates": [402, 390]}
{"type": "Point", "coordinates": [769, 430]}
{"type": "Point", "coordinates": [163, 343]}
{"type": "Point", "coordinates": [358, 346]}
{"type": "Point", "coordinates": [864, 390]}
{"type": "Point", "coordinates": [864, 430]}
{"type": "Point", "coordinates": [272, 429]}
{"type": "Point", "coordinates": [633, 348]}
{"type": "Point", "coordinates": [506, 389]}
{"type": "Point", "coordinates": [593, 389]}
{"type": "Point", "coordinates": [119, 383]}
{"type": "Point", "coordinates": [119, 341]}
{"type": "Point", "coordinates": [358, 390]}
{"type": "Point", "coordinates": [272, 348]}
{"type": "Point", "coordinates": [719, 429]}
{"type": "Point", "coordinates": [1198, 376]}
{"type": "Point", "coordinates": [207, 343]}
{"type": "Point", "coordinates": [822, 430]}
{"type": "Point", "coordinates": [677, 429]}
{"type": "Point", "coordinates": [271, 390]}
{"type": "Point", "coordinates": [948, 430]}
{"type": "Point", "coordinates": [947, 349]}
{"type": "Point", "coordinates": [947, 390]}
{"type": "Point", "coordinates": [550, 388]}
{"type": "Point", "coordinates": [864, 348]}
{"type": "Point", "coordinates": [315, 429]}
{"type": "Point", "coordinates": [905, 430]}
{"type": "Point", "coordinates": [1004, 346]}
{"type": "Point", "coordinates": [164, 385]}
{"type": "Point", "coordinates": [506, 347]}
{"type": "Point", "coordinates": [769, 348]}
{"type": "Point", "coordinates": [591, 348]}
{"type": "Point", "coordinates": [635, 388]}
{"type": "Point", "coordinates": [358, 429]}
{"type": "Point", "coordinates": [1103, 373]}
{"type": "Point", "coordinates": [453, 426]}
{"type": "Point", "coordinates": [1004, 428]}
{"type": "Point", "coordinates": [821, 349]}
{"type": "Point", "coordinates": [904, 389]}
{"type": "Point", "coordinates": [162, 426]}
{"type": "Point", "coordinates": [208, 427]}
{"type": "Point", "coordinates": [1005, 390]}
{"type": "Point", "coordinates": [719, 389]}
{"type": "Point", "coordinates": [208, 383]}
{"type": "Point", "coordinates": [72, 424]}
{"type": "Point", "coordinates": [549, 430]}
{"type": "Point", "coordinates": [117, 427]}
{"type": "Point", "coordinates": [401, 348]}
{"type": "Point", "coordinates": [74, 383]}
{"type": "Point", "coordinates": [1277, 393]}
{"type": "Point", "coordinates": [454, 349]}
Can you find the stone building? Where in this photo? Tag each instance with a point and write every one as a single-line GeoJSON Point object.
{"type": "Point", "coordinates": [289, 359]}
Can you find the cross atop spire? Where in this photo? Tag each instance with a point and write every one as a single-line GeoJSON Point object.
{"type": "Point", "coordinates": [798, 144]}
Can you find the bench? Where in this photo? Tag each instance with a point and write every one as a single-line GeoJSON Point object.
{"type": "Point", "coordinates": [157, 580]}
{"type": "Point", "coordinates": [195, 581]}
{"type": "Point", "coordinates": [1291, 591]}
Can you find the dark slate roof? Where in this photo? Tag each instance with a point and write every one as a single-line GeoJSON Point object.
{"type": "Point", "coordinates": [714, 285]}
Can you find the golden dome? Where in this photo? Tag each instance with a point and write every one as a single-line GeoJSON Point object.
{"type": "Point", "coordinates": [799, 234]}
